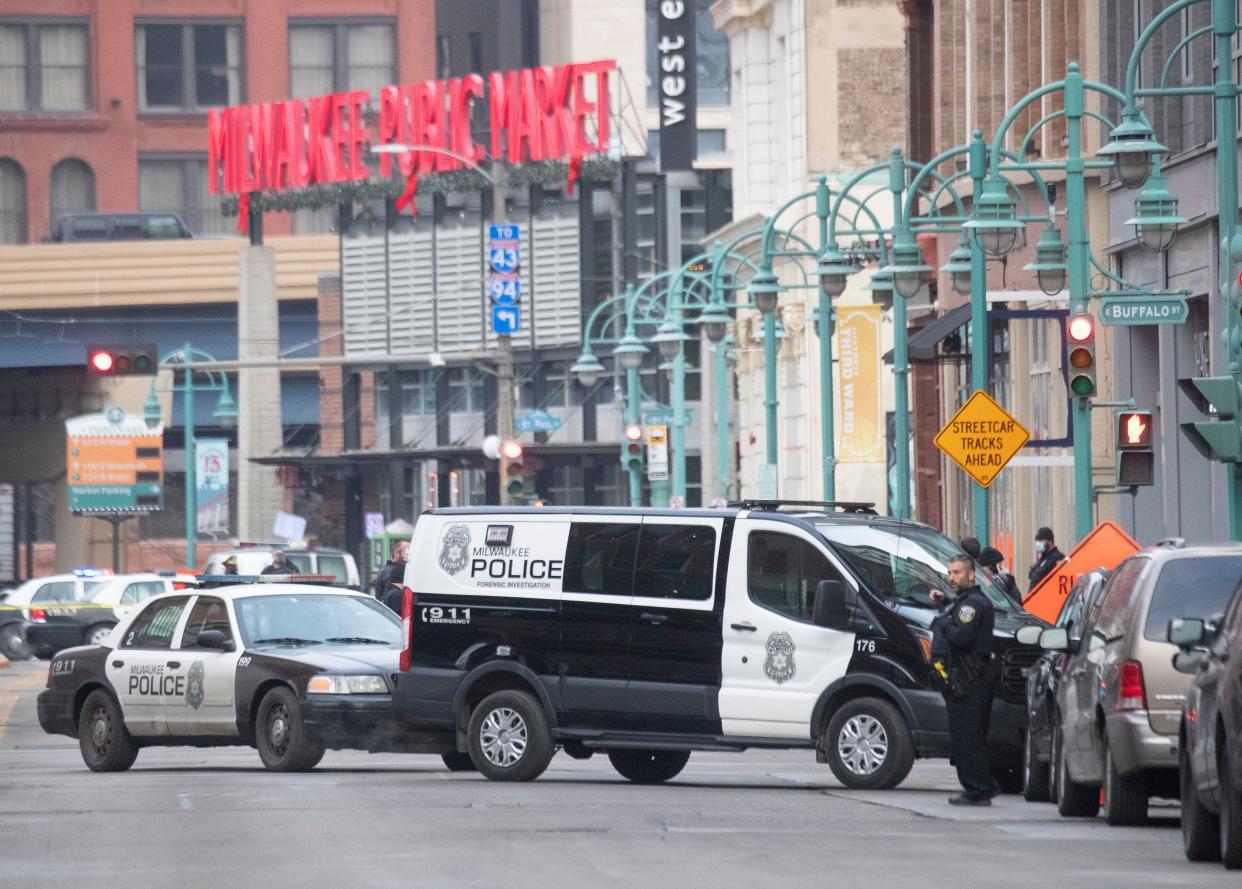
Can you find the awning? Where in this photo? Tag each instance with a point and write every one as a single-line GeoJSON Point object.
{"type": "Point", "coordinates": [922, 345]}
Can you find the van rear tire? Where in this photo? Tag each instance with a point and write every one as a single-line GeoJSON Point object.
{"type": "Point", "coordinates": [867, 745]}
{"type": "Point", "coordinates": [649, 766]}
{"type": "Point", "coordinates": [509, 737]}
{"type": "Point", "coordinates": [1125, 796]}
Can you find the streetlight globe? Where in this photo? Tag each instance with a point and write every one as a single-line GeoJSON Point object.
{"type": "Point", "coordinates": [1155, 215]}
{"type": "Point", "coordinates": [587, 368]}
{"type": "Point", "coordinates": [958, 268]}
{"type": "Point", "coordinates": [995, 224]}
{"type": "Point", "coordinates": [714, 320]}
{"type": "Point", "coordinates": [151, 414]}
{"type": "Point", "coordinates": [1050, 266]}
{"type": "Point", "coordinates": [630, 352]}
{"type": "Point", "coordinates": [1133, 148]}
{"type": "Point", "coordinates": [906, 264]}
{"type": "Point", "coordinates": [834, 270]}
{"type": "Point", "coordinates": [669, 339]}
{"type": "Point", "coordinates": [715, 330]}
{"type": "Point", "coordinates": [765, 290]}
{"type": "Point", "coordinates": [1133, 167]}
{"type": "Point", "coordinates": [226, 411]}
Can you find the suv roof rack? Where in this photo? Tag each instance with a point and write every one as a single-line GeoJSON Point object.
{"type": "Point", "coordinates": [1171, 543]}
{"type": "Point", "coordinates": [857, 507]}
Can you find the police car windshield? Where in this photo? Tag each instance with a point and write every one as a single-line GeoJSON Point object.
{"type": "Point", "coordinates": [312, 618]}
{"type": "Point", "coordinates": [904, 564]}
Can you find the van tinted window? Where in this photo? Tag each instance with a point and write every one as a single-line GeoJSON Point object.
{"type": "Point", "coordinates": [782, 573]}
{"type": "Point", "coordinates": [1191, 587]}
{"type": "Point", "coordinates": [599, 558]}
{"type": "Point", "coordinates": [675, 562]}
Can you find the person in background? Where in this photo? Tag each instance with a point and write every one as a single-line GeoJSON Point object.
{"type": "Point", "coordinates": [1047, 557]}
{"type": "Point", "coordinates": [230, 565]}
{"type": "Point", "coordinates": [280, 565]}
{"type": "Point", "coordinates": [992, 559]}
{"type": "Point", "coordinates": [970, 546]}
{"type": "Point", "coordinates": [390, 580]}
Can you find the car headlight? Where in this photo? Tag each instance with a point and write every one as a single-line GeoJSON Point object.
{"type": "Point", "coordinates": [327, 683]}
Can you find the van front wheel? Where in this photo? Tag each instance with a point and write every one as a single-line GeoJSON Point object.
{"type": "Point", "coordinates": [509, 737]}
{"type": "Point", "coordinates": [649, 766]}
{"type": "Point", "coordinates": [868, 745]}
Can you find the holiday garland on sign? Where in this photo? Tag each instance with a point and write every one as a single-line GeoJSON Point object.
{"type": "Point", "coordinates": [590, 169]}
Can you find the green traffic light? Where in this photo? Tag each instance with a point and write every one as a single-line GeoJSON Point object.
{"type": "Point", "coordinates": [1082, 386]}
{"type": "Point", "coordinates": [515, 487]}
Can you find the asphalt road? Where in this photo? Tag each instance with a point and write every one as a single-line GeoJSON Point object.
{"type": "Point", "coordinates": [187, 818]}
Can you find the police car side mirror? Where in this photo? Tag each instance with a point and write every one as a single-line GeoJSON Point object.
{"type": "Point", "coordinates": [835, 604]}
{"type": "Point", "coordinates": [1054, 639]}
{"type": "Point", "coordinates": [216, 640]}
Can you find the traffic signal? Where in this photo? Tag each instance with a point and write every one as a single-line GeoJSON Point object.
{"type": "Point", "coordinates": [513, 466]}
{"type": "Point", "coordinates": [632, 448]}
{"type": "Point", "coordinates": [1136, 458]}
{"type": "Point", "coordinates": [1219, 439]}
{"type": "Point", "coordinates": [119, 361]}
{"type": "Point", "coordinates": [1081, 330]}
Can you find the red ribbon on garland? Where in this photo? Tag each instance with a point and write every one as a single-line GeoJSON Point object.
{"type": "Point", "coordinates": [406, 198]}
{"type": "Point", "coordinates": [243, 212]}
{"type": "Point", "coordinates": [575, 172]}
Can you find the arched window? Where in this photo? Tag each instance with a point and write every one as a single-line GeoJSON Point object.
{"type": "Point", "coordinates": [73, 188]}
{"type": "Point", "coordinates": [12, 202]}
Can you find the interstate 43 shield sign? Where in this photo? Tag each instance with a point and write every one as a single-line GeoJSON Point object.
{"type": "Point", "coordinates": [981, 438]}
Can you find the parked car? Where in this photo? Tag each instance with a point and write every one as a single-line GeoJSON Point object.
{"type": "Point", "coordinates": [138, 226]}
{"type": "Point", "coordinates": [252, 559]}
{"type": "Point", "coordinates": [1042, 681]}
{"type": "Point", "coordinates": [55, 627]}
{"type": "Point", "coordinates": [1210, 741]}
{"type": "Point", "coordinates": [1119, 707]}
{"type": "Point", "coordinates": [75, 586]}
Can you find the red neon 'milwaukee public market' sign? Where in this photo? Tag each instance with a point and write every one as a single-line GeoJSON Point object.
{"type": "Point", "coordinates": [536, 114]}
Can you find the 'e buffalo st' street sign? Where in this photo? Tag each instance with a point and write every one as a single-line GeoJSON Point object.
{"type": "Point", "coordinates": [1138, 309]}
{"type": "Point", "coordinates": [981, 438]}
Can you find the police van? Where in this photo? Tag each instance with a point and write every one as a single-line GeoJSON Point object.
{"type": "Point", "coordinates": [648, 634]}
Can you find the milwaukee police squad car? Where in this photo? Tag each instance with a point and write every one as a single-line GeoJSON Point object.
{"type": "Point", "coordinates": [648, 634]}
{"type": "Point", "coordinates": [285, 666]}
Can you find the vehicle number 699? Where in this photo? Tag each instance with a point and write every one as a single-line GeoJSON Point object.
{"type": "Point", "coordinates": [867, 645]}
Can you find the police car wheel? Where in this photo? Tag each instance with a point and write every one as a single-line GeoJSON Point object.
{"type": "Point", "coordinates": [281, 735]}
{"type": "Point", "coordinates": [458, 761]}
{"type": "Point", "coordinates": [12, 644]}
{"type": "Point", "coordinates": [98, 634]}
{"type": "Point", "coordinates": [509, 737]}
{"type": "Point", "coordinates": [1035, 778]}
{"type": "Point", "coordinates": [868, 745]}
{"type": "Point", "coordinates": [649, 766]}
{"type": "Point", "coordinates": [105, 742]}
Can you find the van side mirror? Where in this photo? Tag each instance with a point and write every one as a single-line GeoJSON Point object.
{"type": "Point", "coordinates": [1187, 632]}
{"type": "Point", "coordinates": [215, 640]}
{"type": "Point", "coordinates": [1054, 639]}
{"type": "Point", "coordinates": [835, 605]}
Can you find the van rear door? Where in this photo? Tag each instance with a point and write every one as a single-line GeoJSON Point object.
{"type": "Point", "coordinates": [775, 661]}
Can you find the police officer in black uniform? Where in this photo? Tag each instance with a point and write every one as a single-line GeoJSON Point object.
{"type": "Point", "coordinates": [962, 656]}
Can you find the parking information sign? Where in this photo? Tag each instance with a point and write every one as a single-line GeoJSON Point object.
{"type": "Point", "coordinates": [504, 282]}
{"type": "Point", "coordinates": [981, 438]}
{"type": "Point", "coordinates": [115, 464]}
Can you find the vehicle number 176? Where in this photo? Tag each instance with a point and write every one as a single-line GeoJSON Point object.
{"type": "Point", "coordinates": [434, 614]}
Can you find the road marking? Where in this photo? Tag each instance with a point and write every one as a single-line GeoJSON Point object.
{"type": "Point", "coordinates": [10, 695]}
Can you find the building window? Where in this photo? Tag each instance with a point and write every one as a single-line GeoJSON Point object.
{"type": "Point", "coordinates": [179, 185]}
{"type": "Point", "coordinates": [329, 58]}
{"type": "Point", "coordinates": [466, 393]}
{"type": "Point", "coordinates": [43, 67]}
{"type": "Point", "coordinates": [73, 188]}
{"type": "Point", "coordinates": [188, 67]}
{"type": "Point", "coordinates": [711, 57]}
{"type": "Point", "coordinates": [12, 202]}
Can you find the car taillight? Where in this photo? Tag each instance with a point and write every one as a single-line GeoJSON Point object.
{"type": "Point", "coordinates": [39, 615]}
{"type": "Point", "coordinates": [1133, 694]}
{"type": "Point", "coordinates": [408, 598]}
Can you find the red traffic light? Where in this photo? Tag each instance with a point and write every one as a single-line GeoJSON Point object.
{"type": "Point", "coordinates": [511, 450]}
{"type": "Point", "coordinates": [634, 432]}
{"type": "Point", "coordinates": [1134, 429]}
{"type": "Point", "coordinates": [101, 362]}
{"type": "Point", "coordinates": [1081, 328]}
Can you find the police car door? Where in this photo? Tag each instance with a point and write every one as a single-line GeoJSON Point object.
{"type": "Point", "coordinates": [206, 707]}
{"type": "Point", "coordinates": [140, 670]}
{"type": "Point", "coordinates": [776, 662]}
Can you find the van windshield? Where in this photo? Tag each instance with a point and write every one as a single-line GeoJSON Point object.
{"type": "Point", "coordinates": [904, 567]}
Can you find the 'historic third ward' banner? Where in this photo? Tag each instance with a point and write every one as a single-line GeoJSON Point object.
{"type": "Point", "coordinates": [860, 435]}
{"type": "Point", "coordinates": [211, 484]}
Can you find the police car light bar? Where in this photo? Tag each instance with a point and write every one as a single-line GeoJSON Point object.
{"type": "Point", "coordinates": [239, 579]}
{"type": "Point", "coordinates": [852, 506]}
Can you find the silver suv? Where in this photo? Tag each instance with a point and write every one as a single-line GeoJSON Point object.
{"type": "Point", "coordinates": [1120, 704]}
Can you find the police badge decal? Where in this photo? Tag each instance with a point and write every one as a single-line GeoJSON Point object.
{"type": "Point", "coordinates": [779, 665]}
{"type": "Point", "coordinates": [194, 685]}
{"type": "Point", "coordinates": [455, 549]}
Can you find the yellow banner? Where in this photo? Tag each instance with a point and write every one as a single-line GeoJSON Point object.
{"type": "Point", "coordinates": [860, 427]}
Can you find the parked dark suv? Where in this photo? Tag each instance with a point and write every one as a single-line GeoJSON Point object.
{"type": "Point", "coordinates": [1210, 742]}
{"type": "Point", "coordinates": [1119, 710]}
{"type": "Point", "coordinates": [1044, 679]}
